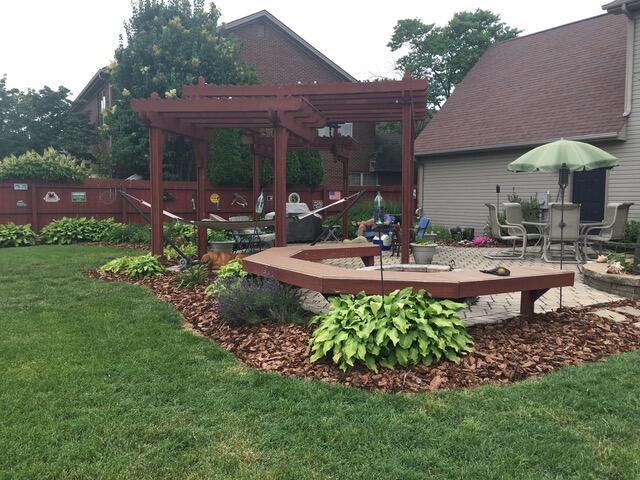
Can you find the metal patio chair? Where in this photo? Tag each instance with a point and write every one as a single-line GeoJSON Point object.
{"type": "Point", "coordinates": [515, 234]}
{"type": "Point", "coordinates": [610, 230]}
{"type": "Point", "coordinates": [570, 234]}
{"type": "Point", "coordinates": [513, 216]}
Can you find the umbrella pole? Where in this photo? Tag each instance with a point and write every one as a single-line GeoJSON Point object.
{"type": "Point", "coordinates": [563, 181]}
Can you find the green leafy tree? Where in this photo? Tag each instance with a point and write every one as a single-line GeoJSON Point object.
{"type": "Point", "coordinates": [39, 119]}
{"type": "Point", "coordinates": [444, 55]}
{"type": "Point", "coordinates": [168, 44]}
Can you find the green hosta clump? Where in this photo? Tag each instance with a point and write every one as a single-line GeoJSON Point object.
{"type": "Point", "coordinates": [12, 235]}
{"type": "Point", "coordinates": [403, 328]}
{"type": "Point", "coordinates": [140, 266]}
{"type": "Point", "coordinates": [65, 231]}
{"type": "Point", "coordinates": [189, 249]}
{"type": "Point", "coordinates": [228, 274]}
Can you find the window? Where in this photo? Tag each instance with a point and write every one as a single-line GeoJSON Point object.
{"type": "Point", "coordinates": [102, 105]}
{"type": "Point", "coordinates": [363, 179]}
{"type": "Point", "coordinates": [345, 129]}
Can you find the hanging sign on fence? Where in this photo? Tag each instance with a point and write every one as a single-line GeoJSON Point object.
{"type": "Point", "coordinates": [78, 197]}
{"type": "Point", "coordinates": [20, 186]}
{"type": "Point", "coordinates": [51, 197]}
{"type": "Point", "coordinates": [21, 203]}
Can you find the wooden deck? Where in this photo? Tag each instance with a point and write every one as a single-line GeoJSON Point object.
{"type": "Point", "coordinates": [299, 266]}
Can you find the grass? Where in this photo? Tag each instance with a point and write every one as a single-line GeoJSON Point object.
{"type": "Point", "coordinates": [99, 380]}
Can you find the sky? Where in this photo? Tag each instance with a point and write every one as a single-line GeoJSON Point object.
{"type": "Point", "coordinates": [64, 42]}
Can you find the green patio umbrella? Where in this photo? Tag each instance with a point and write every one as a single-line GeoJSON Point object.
{"type": "Point", "coordinates": [549, 158]}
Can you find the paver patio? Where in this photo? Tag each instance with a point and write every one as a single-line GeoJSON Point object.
{"type": "Point", "coordinates": [491, 308]}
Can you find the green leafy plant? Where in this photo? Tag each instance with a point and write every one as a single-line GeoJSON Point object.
{"type": "Point", "coordinates": [66, 230]}
{"type": "Point", "coordinates": [12, 235]}
{"type": "Point", "coordinates": [127, 233]}
{"type": "Point", "coordinates": [403, 328]}
{"type": "Point", "coordinates": [251, 300]}
{"type": "Point", "coordinates": [442, 233]}
{"type": "Point", "coordinates": [189, 249]}
{"type": "Point", "coordinates": [180, 232]}
{"type": "Point", "coordinates": [140, 266]}
{"type": "Point", "coordinates": [231, 272]}
{"type": "Point", "coordinates": [631, 231]}
{"type": "Point", "coordinates": [51, 166]}
{"type": "Point", "coordinates": [194, 275]}
{"type": "Point", "coordinates": [625, 262]}
{"type": "Point", "coordinates": [425, 242]}
{"type": "Point", "coordinates": [219, 236]}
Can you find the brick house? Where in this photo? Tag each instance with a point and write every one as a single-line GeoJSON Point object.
{"type": "Point", "coordinates": [579, 81]}
{"type": "Point", "coordinates": [280, 56]}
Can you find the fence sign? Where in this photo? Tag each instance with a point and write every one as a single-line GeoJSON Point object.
{"type": "Point", "coordinates": [78, 197]}
{"type": "Point", "coordinates": [20, 186]}
{"type": "Point", "coordinates": [21, 204]}
{"type": "Point", "coordinates": [51, 197]}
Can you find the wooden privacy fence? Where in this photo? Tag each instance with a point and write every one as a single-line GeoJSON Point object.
{"type": "Point", "coordinates": [38, 204]}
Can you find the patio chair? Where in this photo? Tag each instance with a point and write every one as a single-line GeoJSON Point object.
{"type": "Point", "coordinates": [250, 239]}
{"type": "Point", "coordinates": [513, 215]}
{"type": "Point", "coordinates": [496, 229]}
{"type": "Point", "coordinates": [610, 230]}
{"type": "Point", "coordinates": [570, 234]}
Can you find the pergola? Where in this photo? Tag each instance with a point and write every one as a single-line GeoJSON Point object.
{"type": "Point", "coordinates": [292, 113]}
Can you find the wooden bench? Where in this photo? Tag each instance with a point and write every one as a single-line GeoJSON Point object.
{"type": "Point", "coordinates": [299, 265]}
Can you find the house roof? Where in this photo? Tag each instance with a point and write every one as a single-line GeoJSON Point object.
{"type": "Point", "coordinates": [568, 81]}
{"type": "Point", "coordinates": [97, 82]}
{"type": "Point", "coordinates": [264, 14]}
{"type": "Point", "coordinates": [619, 6]}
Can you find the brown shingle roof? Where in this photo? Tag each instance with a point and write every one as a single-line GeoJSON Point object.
{"type": "Point", "coordinates": [564, 82]}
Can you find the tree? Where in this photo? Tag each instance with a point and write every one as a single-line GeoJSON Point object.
{"type": "Point", "coordinates": [168, 44]}
{"type": "Point", "coordinates": [38, 119]}
{"type": "Point", "coordinates": [444, 55]}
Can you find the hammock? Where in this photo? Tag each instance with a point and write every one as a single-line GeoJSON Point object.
{"type": "Point", "coordinates": [234, 224]}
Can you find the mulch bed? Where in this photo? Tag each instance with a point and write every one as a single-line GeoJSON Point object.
{"type": "Point", "coordinates": [507, 352]}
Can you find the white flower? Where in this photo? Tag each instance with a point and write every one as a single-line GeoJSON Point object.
{"type": "Point", "coordinates": [173, 93]}
{"type": "Point", "coordinates": [125, 92]}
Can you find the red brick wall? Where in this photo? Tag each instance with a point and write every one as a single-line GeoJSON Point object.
{"type": "Point", "coordinates": [277, 59]}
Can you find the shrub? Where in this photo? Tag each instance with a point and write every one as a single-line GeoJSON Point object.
{"type": "Point", "coordinates": [631, 231]}
{"type": "Point", "coordinates": [52, 166]}
{"type": "Point", "coordinates": [65, 231]}
{"type": "Point", "coordinates": [12, 235]}
{"type": "Point", "coordinates": [218, 236]}
{"type": "Point", "coordinates": [140, 266]}
{"type": "Point", "coordinates": [232, 272]}
{"type": "Point", "coordinates": [189, 249]}
{"type": "Point", "coordinates": [194, 275]}
{"type": "Point", "coordinates": [442, 233]}
{"type": "Point", "coordinates": [128, 233]}
{"type": "Point", "coordinates": [402, 328]}
{"type": "Point", "coordinates": [251, 300]}
{"type": "Point", "coordinates": [180, 232]}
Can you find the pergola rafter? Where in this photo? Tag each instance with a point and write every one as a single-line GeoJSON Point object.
{"type": "Point", "coordinates": [292, 113]}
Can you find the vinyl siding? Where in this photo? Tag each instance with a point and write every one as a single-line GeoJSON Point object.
{"type": "Point", "coordinates": [453, 190]}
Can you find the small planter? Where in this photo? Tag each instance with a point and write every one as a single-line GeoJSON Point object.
{"type": "Point", "coordinates": [223, 246]}
{"type": "Point", "coordinates": [429, 237]}
{"type": "Point", "coordinates": [423, 252]}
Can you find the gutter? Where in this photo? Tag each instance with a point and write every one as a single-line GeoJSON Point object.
{"type": "Point", "coordinates": [628, 80]}
{"type": "Point", "coordinates": [599, 137]}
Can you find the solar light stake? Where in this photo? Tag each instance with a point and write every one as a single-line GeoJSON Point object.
{"type": "Point", "coordinates": [563, 181]}
{"type": "Point", "coordinates": [378, 219]}
{"type": "Point", "coordinates": [498, 198]}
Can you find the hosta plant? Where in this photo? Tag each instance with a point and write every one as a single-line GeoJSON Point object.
{"type": "Point", "coordinates": [403, 328]}
{"type": "Point", "coordinates": [194, 275]}
{"type": "Point", "coordinates": [65, 231]}
{"type": "Point", "coordinates": [189, 249]}
{"type": "Point", "coordinates": [12, 235]}
{"type": "Point", "coordinates": [228, 274]}
{"type": "Point", "coordinates": [140, 266]}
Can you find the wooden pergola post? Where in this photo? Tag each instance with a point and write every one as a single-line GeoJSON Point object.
{"type": "Point", "coordinates": [280, 140]}
{"type": "Point", "coordinates": [202, 153]}
{"type": "Point", "coordinates": [345, 193]}
{"type": "Point", "coordinates": [407, 179]}
{"type": "Point", "coordinates": [157, 138]}
{"type": "Point", "coordinates": [257, 167]}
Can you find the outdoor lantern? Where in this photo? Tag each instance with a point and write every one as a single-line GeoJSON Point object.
{"type": "Point", "coordinates": [563, 177]}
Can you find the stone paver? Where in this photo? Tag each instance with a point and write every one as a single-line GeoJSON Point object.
{"type": "Point", "coordinates": [495, 308]}
{"type": "Point", "coordinates": [611, 315]}
{"type": "Point", "coordinates": [634, 312]}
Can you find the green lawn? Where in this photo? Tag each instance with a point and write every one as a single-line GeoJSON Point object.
{"type": "Point", "coordinates": [99, 380]}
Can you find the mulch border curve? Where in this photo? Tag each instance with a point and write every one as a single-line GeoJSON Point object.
{"type": "Point", "coordinates": [506, 352]}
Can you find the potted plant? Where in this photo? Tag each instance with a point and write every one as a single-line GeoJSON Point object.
{"type": "Point", "coordinates": [220, 241]}
{"type": "Point", "coordinates": [423, 250]}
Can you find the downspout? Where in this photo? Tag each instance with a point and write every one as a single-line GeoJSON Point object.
{"type": "Point", "coordinates": [628, 83]}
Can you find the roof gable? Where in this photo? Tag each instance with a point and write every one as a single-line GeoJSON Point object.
{"type": "Point", "coordinates": [564, 82]}
{"type": "Point", "coordinates": [265, 15]}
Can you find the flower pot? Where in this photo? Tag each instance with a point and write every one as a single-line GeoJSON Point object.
{"type": "Point", "coordinates": [423, 254]}
{"type": "Point", "coordinates": [430, 237]}
{"type": "Point", "coordinates": [225, 246]}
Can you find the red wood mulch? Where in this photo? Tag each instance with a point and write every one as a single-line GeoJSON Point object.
{"type": "Point", "coordinates": [506, 352]}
